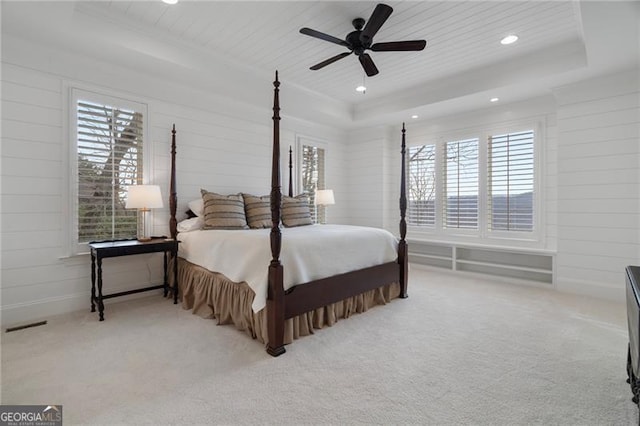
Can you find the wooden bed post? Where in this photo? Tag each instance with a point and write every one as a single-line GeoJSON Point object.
{"type": "Point", "coordinates": [173, 197]}
{"type": "Point", "coordinates": [403, 253]}
{"type": "Point", "coordinates": [290, 172]}
{"type": "Point", "coordinates": [173, 206]}
{"type": "Point", "coordinates": [275, 295]}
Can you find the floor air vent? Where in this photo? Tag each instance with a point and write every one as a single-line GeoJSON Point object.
{"type": "Point", "coordinates": [22, 327]}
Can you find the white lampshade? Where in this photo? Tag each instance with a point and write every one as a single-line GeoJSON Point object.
{"type": "Point", "coordinates": [144, 197]}
{"type": "Point", "coordinates": [324, 197]}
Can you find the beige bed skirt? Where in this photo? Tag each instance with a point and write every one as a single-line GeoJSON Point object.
{"type": "Point", "coordinates": [212, 295]}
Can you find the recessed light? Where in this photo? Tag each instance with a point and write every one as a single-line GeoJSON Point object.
{"type": "Point", "coordinates": [494, 99]}
{"type": "Point", "coordinates": [170, 1]}
{"type": "Point", "coordinates": [511, 38]}
{"type": "Point", "coordinates": [414, 116]}
{"type": "Point", "coordinates": [361, 89]}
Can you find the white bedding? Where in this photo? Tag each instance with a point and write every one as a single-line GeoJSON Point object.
{"type": "Point", "coordinates": [308, 253]}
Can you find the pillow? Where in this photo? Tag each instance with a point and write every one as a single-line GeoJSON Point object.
{"type": "Point", "coordinates": [197, 207]}
{"type": "Point", "coordinates": [192, 224]}
{"type": "Point", "coordinates": [190, 214]}
{"type": "Point", "coordinates": [257, 210]}
{"type": "Point", "coordinates": [223, 211]}
{"type": "Point", "coordinates": [295, 211]}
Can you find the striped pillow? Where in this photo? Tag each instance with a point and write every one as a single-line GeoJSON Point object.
{"type": "Point", "coordinates": [258, 211]}
{"type": "Point", "coordinates": [223, 211]}
{"type": "Point", "coordinates": [295, 211]}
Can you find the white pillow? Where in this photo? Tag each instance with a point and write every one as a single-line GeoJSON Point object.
{"type": "Point", "coordinates": [197, 207]}
{"type": "Point", "coordinates": [193, 224]}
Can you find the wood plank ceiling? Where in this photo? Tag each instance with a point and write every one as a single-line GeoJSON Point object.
{"type": "Point", "coordinates": [461, 36]}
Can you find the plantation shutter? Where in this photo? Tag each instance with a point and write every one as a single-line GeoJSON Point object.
{"type": "Point", "coordinates": [313, 178]}
{"type": "Point", "coordinates": [422, 185]}
{"type": "Point", "coordinates": [511, 180]}
{"type": "Point", "coordinates": [109, 158]}
{"type": "Point", "coordinates": [460, 206]}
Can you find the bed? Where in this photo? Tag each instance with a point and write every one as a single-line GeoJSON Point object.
{"type": "Point", "coordinates": [302, 288]}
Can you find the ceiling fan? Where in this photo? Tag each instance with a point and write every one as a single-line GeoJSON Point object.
{"type": "Point", "coordinates": [361, 39]}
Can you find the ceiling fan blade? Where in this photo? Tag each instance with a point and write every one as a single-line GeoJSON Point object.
{"type": "Point", "coordinates": [323, 36]}
{"type": "Point", "coordinates": [380, 14]}
{"type": "Point", "coordinates": [368, 65]}
{"type": "Point", "coordinates": [330, 61]}
{"type": "Point", "coordinates": [399, 46]}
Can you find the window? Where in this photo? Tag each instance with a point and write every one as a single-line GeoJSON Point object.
{"type": "Point", "coordinates": [461, 184]}
{"type": "Point", "coordinates": [510, 189]}
{"type": "Point", "coordinates": [313, 178]}
{"type": "Point", "coordinates": [108, 153]}
{"type": "Point", "coordinates": [422, 185]}
{"type": "Point", "coordinates": [476, 187]}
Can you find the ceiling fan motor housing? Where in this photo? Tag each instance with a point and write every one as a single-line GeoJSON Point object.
{"type": "Point", "coordinates": [356, 44]}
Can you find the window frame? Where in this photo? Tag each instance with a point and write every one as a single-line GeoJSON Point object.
{"type": "Point", "coordinates": [435, 185]}
{"type": "Point", "coordinates": [75, 93]}
{"type": "Point", "coordinates": [302, 140]}
{"type": "Point", "coordinates": [483, 234]}
{"type": "Point", "coordinates": [536, 234]}
{"type": "Point", "coordinates": [442, 172]}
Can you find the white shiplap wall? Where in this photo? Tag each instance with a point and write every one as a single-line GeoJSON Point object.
{"type": "Point", "coordinates": [598, 184]}
{"type": "Point", "coordinates": [391, 174]}
{"type": "Point", "coordinates": [223, 146]}
{"type": "Point", "coordinates": [366, 179]}
{"type": "Point", "coordinates": [374, 177]}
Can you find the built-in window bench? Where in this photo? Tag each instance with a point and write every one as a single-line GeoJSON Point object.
{"type": "Point", "coordinates": [513, 262]}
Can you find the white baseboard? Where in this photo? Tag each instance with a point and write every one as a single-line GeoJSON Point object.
{"type": "Point", "coordinates": [43, 309]}
{"type": "Point", "coordinates": [486, 277]}
{"type": "Point", "coordinates": [604, 291]}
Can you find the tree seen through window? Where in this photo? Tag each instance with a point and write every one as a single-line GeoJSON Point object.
{"type": "Point", "coordinates": [109, 158]}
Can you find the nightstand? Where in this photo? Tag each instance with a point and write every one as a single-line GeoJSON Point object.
{"type": "Point", "coordinates": [104, 249]}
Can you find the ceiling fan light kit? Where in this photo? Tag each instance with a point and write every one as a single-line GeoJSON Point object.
{"type": "Point", "coordinates": [510, 39]}
{"type": "Point", "coordinates": [361, 39]}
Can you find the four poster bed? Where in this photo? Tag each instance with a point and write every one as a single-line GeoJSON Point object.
{"type": "Point", "coordinates": [289, 304]}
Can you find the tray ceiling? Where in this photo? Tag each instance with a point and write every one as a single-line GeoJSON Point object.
{"type": "Point", "coordinates": [233, 47]}
{"type": "Point", "coordinates": [264, 36]}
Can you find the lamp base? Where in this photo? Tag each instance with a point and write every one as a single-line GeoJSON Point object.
{"type": "Point", "coordinates": [143, 238]}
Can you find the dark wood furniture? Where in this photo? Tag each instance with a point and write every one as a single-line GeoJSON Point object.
{"type": "Point", "coordinates": [104, 249]}
{"type": "Point", "coordinates": [281, 304]}
{"type": "Point", "coordinates": [633, 320]}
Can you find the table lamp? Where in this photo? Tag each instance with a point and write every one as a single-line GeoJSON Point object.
{"type": "Point", "coordinates": [144, 198]}
{"type": "Point", "coordinates": [324, 197]}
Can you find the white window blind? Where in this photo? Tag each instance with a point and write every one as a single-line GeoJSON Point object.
{"type": "Point", "coordinates": [511, 181]}
{"type": "Point", "coordinates": [109, 158]}
{"type": "Point", "coordinates": [460, 206]}
{"type": "Point", "coordinates": [422, 185]}
{"type": "Point", "coordinates": [313, 178]}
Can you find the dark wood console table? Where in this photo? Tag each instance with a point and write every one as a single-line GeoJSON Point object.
{"type": "Point", "coordinates": [103, 249]}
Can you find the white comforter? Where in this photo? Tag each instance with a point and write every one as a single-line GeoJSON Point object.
{"type": "Point", "coordinates": [308, 253]}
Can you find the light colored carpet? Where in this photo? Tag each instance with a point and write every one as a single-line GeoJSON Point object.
{"type": "Point", "coordinates": [460, 350]}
